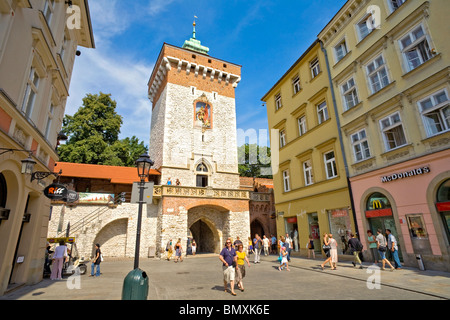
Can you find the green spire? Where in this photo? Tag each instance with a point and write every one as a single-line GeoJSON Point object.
{"type": "Point", "coordinates": [194, 44]}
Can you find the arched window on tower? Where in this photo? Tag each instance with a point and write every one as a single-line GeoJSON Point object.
{"type": "Point", "coordinates": [202, 175]}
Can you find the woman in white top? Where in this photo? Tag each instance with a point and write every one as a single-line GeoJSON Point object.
{"type": "Point", "coordinates": [332, 256]}
{"type": "Point", "coordinates": [58, 259]}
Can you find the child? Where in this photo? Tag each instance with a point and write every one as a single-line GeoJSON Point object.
{"type": "Point", "coordinates": [284, 260]}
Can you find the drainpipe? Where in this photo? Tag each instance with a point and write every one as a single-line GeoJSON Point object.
{"type": "Point", "coordinates": [338, 122]}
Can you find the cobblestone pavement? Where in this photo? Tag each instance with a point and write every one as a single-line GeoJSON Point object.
{"type": "Point", "coordinates": [200, 278]}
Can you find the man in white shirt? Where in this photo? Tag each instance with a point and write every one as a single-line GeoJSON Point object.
{"type": "Point", "coordinates": [266, 245]}
{"type": "Point", "coordinates": [393, 246]}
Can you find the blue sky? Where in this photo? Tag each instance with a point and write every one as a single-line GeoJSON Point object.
{"type": "Point", "coordinates": [265, 37]}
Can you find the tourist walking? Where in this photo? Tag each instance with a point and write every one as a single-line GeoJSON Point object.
{"type": "Point", "coordinates": [289, 245]}
{"type": "Point", "coordinates": [284, 259]}
{"type": "Point", "coordinates": [236, 243]}
{"type": "Point", "coordinates": [228, 258]}
{"type": "Point", "coordinates": [194, 247]}
{"type": "Point", "coordinates": [257, 248]}
{"type": "Point", "coordinates": [96, 261]}
{"type": "Point", "coordinates": [393, 246]}
{"type": "Point", "coordinates": [330, 249]}
{"type": "Point", "coordinates": [240, 266]}
{"type": "Point", "coordinates": [57, 261]}
{"type": "Point", "coordinates": [178, 251]}
{"type": "Point", "coordinates": [296, 239]}
{"type": "Point", "coordinates": [372, 245]}
{"type": "Point", "coordinates": [169, 249]}
{"type": "Point", "coordinates": [355, 249]}
{"type": "Point", "coordinates": [266, 245]}
{"type": "Point", "coordinates": [273, 242]}
{"type": "Point", "coordinates": [310, 247]}
{"type": "Point", "coordinates": [382, 248]}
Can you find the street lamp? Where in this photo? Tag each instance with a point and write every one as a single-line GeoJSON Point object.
{"type": "Point", "coordinates": [143, 165]}
{"type": "Point", "coordinates": [135, 285]}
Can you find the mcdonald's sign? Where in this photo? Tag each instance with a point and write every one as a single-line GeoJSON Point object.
{"type": "Point", "coordinates": [378, 209]}
{"type": "Point", "coordinates": [376, 204]}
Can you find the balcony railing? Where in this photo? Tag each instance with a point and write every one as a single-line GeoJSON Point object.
{"type": "Point", "coordinates": [260, 196]}
{"type": "Point", "coordinates": [197, 192]}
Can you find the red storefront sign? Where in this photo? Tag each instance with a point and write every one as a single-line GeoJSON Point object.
{"type": "Point", "coordinates": [379, 213]}
{"type": "Point", "coordinates": [338, 213]}
{"type": "Point", "coordinates": [443, 206]}
{"type": "Point", "coordinates": [292, 220]}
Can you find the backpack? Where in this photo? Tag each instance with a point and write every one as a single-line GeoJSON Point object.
{"type": "Point", "coordinates": [359, 246]}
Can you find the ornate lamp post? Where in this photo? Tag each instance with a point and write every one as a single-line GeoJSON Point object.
{"type": "Point", "coordinates": [143, 165]}
{"type": "Point", "coordinates": [135, 285]}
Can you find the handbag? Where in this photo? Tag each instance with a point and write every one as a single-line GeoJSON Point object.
{"type": "Point", "coordinates": [326, 247]}
{"type": "Point", "coordinates": [382, 249]}
{"type": "Point", "coordinates": [280, 258]}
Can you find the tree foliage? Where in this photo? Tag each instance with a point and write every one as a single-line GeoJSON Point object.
{"type": "Point", "coordinates": [93, 133]}
{"type": "Point", "coordinates": [254, 161]}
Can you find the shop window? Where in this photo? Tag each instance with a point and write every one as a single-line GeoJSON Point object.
{"type": "Point", "coordinates": [3, 191]}
{"type": "Point", "coordinates": [376, 201]}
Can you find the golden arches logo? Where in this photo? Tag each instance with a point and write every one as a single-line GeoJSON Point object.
{"type": "Point", "coordinates": [376, 204]}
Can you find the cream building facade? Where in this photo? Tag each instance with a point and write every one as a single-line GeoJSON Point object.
{"type": "Point", "coordinates": [37, 51]}
{"type": "Point", "coordinates": [389, 64]}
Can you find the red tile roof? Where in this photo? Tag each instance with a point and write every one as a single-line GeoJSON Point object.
{"type": "Point", "coordinates": [122, 175]}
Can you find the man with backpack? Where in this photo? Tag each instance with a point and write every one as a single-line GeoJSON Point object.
{"type": "Point", "coordinates": [355, 247]}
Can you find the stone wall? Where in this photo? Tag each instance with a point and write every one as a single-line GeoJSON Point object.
{"type": "Point", "coordinates": [114, 228]}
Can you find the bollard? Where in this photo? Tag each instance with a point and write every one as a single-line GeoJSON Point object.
{"type": "Point", "coordinates": [420, 262]}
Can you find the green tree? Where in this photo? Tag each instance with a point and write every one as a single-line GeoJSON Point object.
{"type": "Point", "coordinates": [254, 161]}
{"type": "Point", "coordinates": [93, 133]}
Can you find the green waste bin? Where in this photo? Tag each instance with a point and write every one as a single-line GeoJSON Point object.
{"type": "Point", "coordinates": [135, 285]}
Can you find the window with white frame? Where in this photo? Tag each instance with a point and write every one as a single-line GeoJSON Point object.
{"type": "Point", "coordinates": [301, 125]}
{"type": "Point", "coordinates": [282, 138]}
{"type": "Point", "coordinates": [315, 67]}
{"type": "Point", "coordinates": [377, 74]}
{"type": "Point", "coordinates": [286, 181]}
{"type": "Point", "coordinates": [322, 112]}
{"type": "Point", "coordinates": [395, 4]}
{"type": "Point", "coordinates": [49, 121]}
{"type": "Point", "coordinates": [330, 165]}
{"type": "Point", "coordinates": [307, 173]}
{"type": "Point", "coordinates": [278, 104]}
{"type": "Point", "coordinates": [365, 27]}
{"type": "Point", "coordinates": [340, 50]}
{"type": "Point", "coordinates": [30, 93]}
{"type": "Point", "coordinates": [296, 84]}
{"type": "Point", "coordinates": [392, 131]}
{"type": "Point", "coordinates": [49, 8]}
{"type": "Point", "coordinates": [349, 94]}
{"type": "Point", "coordinates": [415, 48]}
{"type": "Point", "coordinates": [360, 145]}
{"type": "Point", "coordinates": [435, 111]}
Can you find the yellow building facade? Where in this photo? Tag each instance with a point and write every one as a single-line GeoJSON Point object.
{"type": "Point", "coordinates": [309, 176]}
{"type": "Point", "coordinates": [389, 65]}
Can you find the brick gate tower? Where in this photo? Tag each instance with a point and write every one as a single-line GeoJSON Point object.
{"type": "Point", "coordinates": [193, 140]}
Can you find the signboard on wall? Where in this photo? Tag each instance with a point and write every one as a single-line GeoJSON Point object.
{"type": "Point", "coordinates": [378, 213]}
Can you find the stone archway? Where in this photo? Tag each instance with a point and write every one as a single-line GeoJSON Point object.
{"type": "Point", "coordinates": [257, 227]}
{"type": "Point", "coordinates": [113, 238]}
{"type": "Point", "coordinates": [206, 225]}
{"type": "Point", "coordinates": [204, 237]}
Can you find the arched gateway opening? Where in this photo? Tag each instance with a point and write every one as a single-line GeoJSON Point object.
{"type": "Point", "coordinates": [204, 237]}
{"type": "Point", "coordinates": [206, 224]}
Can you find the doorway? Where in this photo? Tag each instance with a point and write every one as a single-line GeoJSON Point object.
{"type": "Point", "coordinates": [204, 237]}
{"type": "Point", "coordinates": [384, 223]}
{"type": "Point", "coordinates": [313, 222]}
